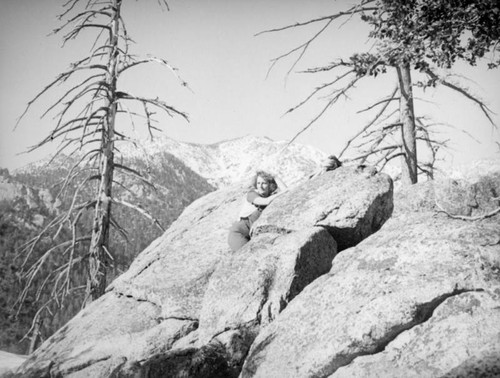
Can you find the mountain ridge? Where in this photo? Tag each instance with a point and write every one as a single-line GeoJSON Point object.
{"type": "Point", "coordinates": [234, 160]}
{"type": "Point", "coordinates": [221, 163]}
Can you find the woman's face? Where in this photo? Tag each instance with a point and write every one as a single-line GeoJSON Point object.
{"type": "Point", "coordinates": [262, 187]}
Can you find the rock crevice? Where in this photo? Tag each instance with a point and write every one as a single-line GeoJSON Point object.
{"type": "Point", "coordinates": [422, 313]}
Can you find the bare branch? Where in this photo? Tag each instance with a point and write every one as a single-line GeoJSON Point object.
{"type": "Point", "coordinates": [332, 101]}
{"type": "Point", "coordinates": [386, 103]}
{"type": "Point", "coordinates": [148, 120]}
{"type": "Point", "coordinates": [74, 33]}
{"type": "Point", "coordinates": [133, 172]}
{"type": "Point", "coordinates": [385, 130]}
{"type": "Point", "coordinates": [29, 246]}
{"type": "Point", "coordinates": [119, 228]}
{"type": "Point", "coordinates": [486, 111]}
{"type": "Point", "coordinates": [319, 89]}
{"type": "Point", "coordinates": [86, 15]}
{"type": "Point", "coordinates": [355, 9]}
{"type": "Point", "coordinates": [160, 61]}
{"type": "Point", "coordinates": [156, 102]}
{"type": "Point", "coordinates": [373, 151]}
{"type": "Point", "coordinates": [67, 93]}
{"type": "Point", "coordinates": [60, 78]}
{"type": "Point", "coordinates": [387, 158]}
{"type": "Point", "coordinates": [302, 48]}
{"type": "Point", "coordinates": [35, 268]}
{"type": "Point", "coordinates": [140, 210]}
{"type": "Point", "coordinates": [466, 218]}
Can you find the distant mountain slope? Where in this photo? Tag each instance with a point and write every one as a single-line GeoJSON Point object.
{"type": "Point", "coordinates": [28, 204]}
{"type": "Point", "coordinates": [236, 160]}
{"type": "Point", "coordinates": [176, 186]}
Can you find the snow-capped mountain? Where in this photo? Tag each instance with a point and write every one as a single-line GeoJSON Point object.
{"type": "Point", "coordinates": [235, 160]}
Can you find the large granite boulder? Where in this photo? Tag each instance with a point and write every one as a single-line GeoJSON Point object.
{"type": "Point", "coordinates": [188, 306]}
{"type": "Point", "coordinates": [293, 243]}
{"type": "Point", "coordinates": [419, 298]}
{"type": "Point", "coordinates": [351, 203]}
{"type": "Point", "coordinates": [255, 284]}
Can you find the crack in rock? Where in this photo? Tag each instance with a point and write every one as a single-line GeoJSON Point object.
{"type": "Point", "coordinates": [179, 318]}
{"type": "Point", "coordinates": [130, 296]}
{"type": "Point", "coordinates": [155, 259]}
{"type": "Point", "coordinates": [272, 229]}
{"type": "Point", "coordinates": [209, 211]}
{"type": "Point", "coordinates": [423, 313]}
{"type": "Point", "coordinates": [266, 289]}
{"type": "Point", "coordinates": [159, 307]}
{"type": "Point", "coordinates": [326, 214]}
{"type": "Point", "coordinates": [82, 366]}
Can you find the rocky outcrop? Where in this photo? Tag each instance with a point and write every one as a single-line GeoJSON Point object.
{"type": "Point", "coordinates": [351, 203]}
{"type": "Point", "coordinates": [420, 298]}
{"type": "Point", "coordinates": [189, 307]}
{"type": "Point", "coordinates": [292, 244]}
{"type": "Point", "coordinates": [416, 296]}
{"type": "Point", "coordinates": [9, 361]}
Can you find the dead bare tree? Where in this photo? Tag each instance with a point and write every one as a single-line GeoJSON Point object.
{"type": "Point", "coordinates": [86, 127]}
{"type": "Point", "coordinates": [418, 36]}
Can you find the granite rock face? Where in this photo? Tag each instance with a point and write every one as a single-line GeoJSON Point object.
{"type": "Point", "coordinates": [419, 298]}
{"type": "Point", "coordinates": [188, 306]}
{"type": "Point", "coordinates": [461, 338]}
{"type": "Point", "coordinates": [9, 362]}
{"type": "Point", "coordinates": [351, 203]}
{"type": "Point", "coordinates": [326, 288]}
{"type": "Point", "coordinates": [293, 243]}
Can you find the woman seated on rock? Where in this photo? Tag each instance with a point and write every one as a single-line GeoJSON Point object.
{"type": "Point", "coordinates": [264, 190]}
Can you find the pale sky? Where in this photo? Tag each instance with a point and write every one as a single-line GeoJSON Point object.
{"type": "Point", "coordinates": [212, 43]}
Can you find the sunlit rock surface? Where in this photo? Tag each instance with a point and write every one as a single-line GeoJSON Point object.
{"type": "Point", "coordinates": [326, 288]}
{"type": "Point", "coordinates": [9, 362]}
{"type": "Point", "coordinates": [187, 305]}
{"type": "Point", "coordinates": [419, 298]}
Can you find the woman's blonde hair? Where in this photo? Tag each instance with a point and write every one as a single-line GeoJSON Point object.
{"type": "Point", "coordinates": [269, 178]}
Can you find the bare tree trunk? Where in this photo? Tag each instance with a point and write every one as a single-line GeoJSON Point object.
{"type": "Point", "coordinates": [35, 336]}
{"type": "Point", "coordinates": [98, 100]}
{"type": "Point", "coordinates": [99, 251]}
{"type": "Point", "coordinates": [408, 129]}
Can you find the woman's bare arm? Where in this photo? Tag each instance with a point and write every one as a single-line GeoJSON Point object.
{"type": "Point", "coordinates": [264, 201]}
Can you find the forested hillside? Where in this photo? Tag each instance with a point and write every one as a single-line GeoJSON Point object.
{"type": "Point", "coordinates": [29, 201]}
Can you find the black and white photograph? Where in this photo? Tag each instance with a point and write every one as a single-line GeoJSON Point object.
{"type": "Point", "coordinates": [249, 189]}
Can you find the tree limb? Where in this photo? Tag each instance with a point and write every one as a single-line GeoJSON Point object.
{"type": "Point", "coordinates": [467, 218]}
{"type": "Point", "coordinates": [486, 111]}
{"type": "Point", "coordinates": [140, 210]}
